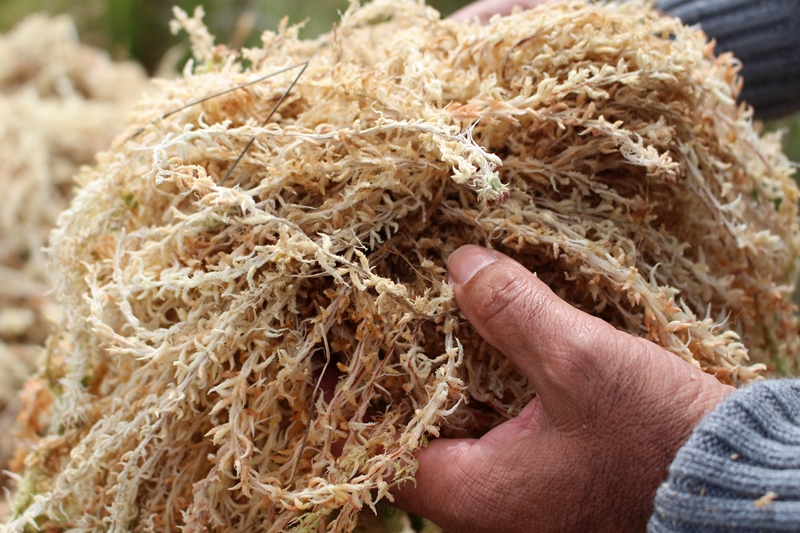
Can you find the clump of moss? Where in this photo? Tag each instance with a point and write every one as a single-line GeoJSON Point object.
{"type": "Point", "coordinates": [271, 351]}
{"type": "Point", "coordinates": [60, 103]}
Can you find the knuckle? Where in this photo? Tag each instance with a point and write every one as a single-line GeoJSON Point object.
{"type": "Point", "coordinates": [507, 300]}
{"type": "Point", "coordinates": [599, 345]}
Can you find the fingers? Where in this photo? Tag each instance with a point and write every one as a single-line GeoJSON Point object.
{"type": "Point", "coordinates": [561, 350]}
{"type": "Point", "coordinates": [555, 466]}
{"type": "Point", "coordinates": [477, 485]}
{"type": "Point", "coordinates": [485, 9]}
{"type": "Point", "coordinates": [468, 485]}
{"type": "Point", "coordinates": [431, 494]}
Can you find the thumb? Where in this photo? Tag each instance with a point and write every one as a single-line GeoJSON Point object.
{"type": "Point", "coordinates": [563, 351]}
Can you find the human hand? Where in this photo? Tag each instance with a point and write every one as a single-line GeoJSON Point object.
{"type": "Point", "coordinates": [588, 453]}
{"type": "Point", "coordinates": [485, 9]}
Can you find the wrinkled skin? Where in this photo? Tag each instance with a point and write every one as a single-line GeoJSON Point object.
{"type": "Point", "coordinates": [588, 453]}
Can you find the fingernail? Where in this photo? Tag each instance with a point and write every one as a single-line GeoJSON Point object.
{"type": "Point", "coordinates": [466, 261]}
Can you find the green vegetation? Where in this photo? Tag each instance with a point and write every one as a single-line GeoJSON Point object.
{"type": "Point", "coordinates": [791, 140]}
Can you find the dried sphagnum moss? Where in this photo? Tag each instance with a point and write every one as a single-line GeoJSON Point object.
{"type": "Point", "coordinates": [60, 102]}
{"type": "Point", "coordinates": [183, 388]}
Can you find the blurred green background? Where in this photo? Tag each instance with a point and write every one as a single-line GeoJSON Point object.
{"type": "Point", "coordinates": [139, 29]}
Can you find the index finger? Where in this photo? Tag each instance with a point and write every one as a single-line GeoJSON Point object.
{"type": "Point", "coordinates": [485, 9]}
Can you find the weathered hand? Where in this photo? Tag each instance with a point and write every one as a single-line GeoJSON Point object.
{"type": "Point", "coordinates": [588, 453]}
{"type": "Point", "coordinates": [485, 9]}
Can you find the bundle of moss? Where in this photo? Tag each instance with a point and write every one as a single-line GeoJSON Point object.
{"type": "Point", "coordinates": [189, 384]}
{"type": "Point", "coordinates": [60, 103]}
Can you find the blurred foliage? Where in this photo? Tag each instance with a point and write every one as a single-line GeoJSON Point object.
{"type": "Point", "coordinates": [791, 138]}
{"type": "Point", "coordinates": [139, 29]}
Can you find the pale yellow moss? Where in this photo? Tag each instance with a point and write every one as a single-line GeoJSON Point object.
{"type": "Point", "coordinates": [60, 103]}
{"type": "Point", "coordinates": [599, 145]}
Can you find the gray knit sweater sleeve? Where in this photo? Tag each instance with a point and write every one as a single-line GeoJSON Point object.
{"type": "Point", "coordinates": [740, 469]}
{"type": "Point", "coordinates": [764, 35]}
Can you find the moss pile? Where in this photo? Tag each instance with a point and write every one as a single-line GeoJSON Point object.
{"type": "Point", "coordinates": [269, 349]}
{"type": "Point", "coordinates": [60, 103]}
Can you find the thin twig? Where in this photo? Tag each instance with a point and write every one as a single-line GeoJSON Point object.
{"type": "Point", "coordinates": [215, 95]}
{"type": "Point", "coordinates": [269, 117]}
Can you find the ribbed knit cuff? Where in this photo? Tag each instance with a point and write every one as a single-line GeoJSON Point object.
{"type": "Point", "coordinates": [740, 469]}
{"type": "Point", "coordinates": [764, 35]}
